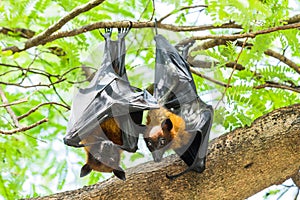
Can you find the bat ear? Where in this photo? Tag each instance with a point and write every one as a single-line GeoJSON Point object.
{"type": "Point", "coordinates": [167, 124]}
{"type": "Point", "coordinates": [85, 170]}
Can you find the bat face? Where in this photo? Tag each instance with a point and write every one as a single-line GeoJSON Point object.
{"type": "Point", "coordinates": [108, 153]}
{"type": "Point", "coordinates": [158, 139]}
{"type": "Point", "coordinates": [103, 157]}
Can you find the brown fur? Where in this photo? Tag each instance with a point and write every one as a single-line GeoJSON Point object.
{"type": "Point", "coordinates": [111, 129]}
{"type": "Point", "coordinates": [178, 134]}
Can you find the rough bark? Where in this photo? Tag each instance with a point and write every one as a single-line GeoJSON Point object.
{"type": "Point", "coordinates": [240, 164]}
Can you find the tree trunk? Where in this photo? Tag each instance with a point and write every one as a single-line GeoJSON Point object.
{"type": "Point", "coordinates": [239, 164]}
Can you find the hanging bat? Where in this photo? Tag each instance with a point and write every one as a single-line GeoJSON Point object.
{"type": "Point", "coordinates": [183, 121]}
{"type": "Point", "coordinates": [107, 115]}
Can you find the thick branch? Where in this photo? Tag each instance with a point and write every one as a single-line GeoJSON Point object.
{"type": "Point", "coordinates": [240, 164]}
{"type": "Point", "coordinates": [171, 27]}
{"type": "Point", "coordinates": [122, 24]}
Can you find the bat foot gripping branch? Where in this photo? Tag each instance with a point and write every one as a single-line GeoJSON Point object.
{"type": "Point", "coordinates": [198, 166]}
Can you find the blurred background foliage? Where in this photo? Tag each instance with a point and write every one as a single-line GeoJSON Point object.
{"type": "Point", "coordinates": [36, 162]}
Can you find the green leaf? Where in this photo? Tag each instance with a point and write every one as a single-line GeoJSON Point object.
{"type": "Point", "coordinates": [136, 156]}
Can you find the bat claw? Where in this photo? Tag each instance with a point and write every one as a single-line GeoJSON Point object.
{"type": "Point", "coordinates": [120, 174]}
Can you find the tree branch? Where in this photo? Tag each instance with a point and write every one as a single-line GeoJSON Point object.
{"type": "Point", "coordinates": [231, 74]}
{"type": "Point", "coordinates": [8, 109]}
{"type": "Point", "coordinates": [208, 78]}
{"type": "Point", "coordinates": [121, 24]}
{"type": "Point", "coordinates": [181, 9]}
{"type": "Point", "coordinates": [239, 164]}
{"type": "Point", "coordinates": [14, 103]}
{"type": "Point", "coordinates": [40, 105]}
{"type": "Point", "coordinates": [216, 42]}
{"type": "Point", "coordinates": [31, 86]}
{"type": "Point", "coordinates": [283, 59]}
{"type": "Point", "coordinates": [278, 85]}
{"type": "Point", "coordinates": [75, 12]}
{"type": "Point", "coordinates": [244, 35]}
{"type": "Point", "coordinates": [21, 32]}
{"type": "Point", "coordinates": [25, 128]}
{"type": "Point", "coordinates": [278, 56]}
{"type": "Point", "coordinates": [30, 69]}
{"type": "Point", "coordinates": [294, 19]}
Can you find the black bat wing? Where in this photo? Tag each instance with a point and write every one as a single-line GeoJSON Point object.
{"type": "Point", "coordinates": [174, 88]}
{"type": "Point", "coordinates": [109, 94]}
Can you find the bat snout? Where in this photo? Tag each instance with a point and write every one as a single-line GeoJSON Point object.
{"type": "Point", "coordinates": [72, 141]}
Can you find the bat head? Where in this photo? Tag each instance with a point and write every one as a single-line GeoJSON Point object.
{"type": "Point", "coordinates": [103, 157]}
{"type": "Point", "coordinates": [158, 139]}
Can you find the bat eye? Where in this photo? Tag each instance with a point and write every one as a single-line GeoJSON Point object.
{"type": "Point", "coordinates": [162, 141]}
{"type": "Point", "coordinates": [149, 143]}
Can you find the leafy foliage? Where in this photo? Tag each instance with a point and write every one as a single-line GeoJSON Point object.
{"type": "Point", "coordinates": [36, 162]}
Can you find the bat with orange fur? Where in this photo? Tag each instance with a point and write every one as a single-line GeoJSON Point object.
{"type": "Point", "coordinates": [106, 116]}
{"type": "Point", "coordinates": [183, 121]}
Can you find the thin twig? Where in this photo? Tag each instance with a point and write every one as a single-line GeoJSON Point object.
{"type": "Point", "coordinates": [9, 71]}
{"type": "Point", "coordinates": [14, 103]}
{"type": "Point", "coordinates": [56, 92]}
{"type": "Point", "coordinates": [31, 86]}
{"type": "Point", "coordinates": [153, 11]}
{"type": "Point", "coordinates": [32, 70]}
{"type": "Point", "coordinates": [234, 67]}
{"type": "Point", "coordinates": [20, 32]}
{"type": "Point", "coordinates": [35, 138]}
{"type": "Point", "coordinates": [208, 78]}
{"type": "Point", "coordinates": [145, 9]}
{"type": "Point", "coordinates": [40, 105]}
{"type": "Point", "coordinates": [18, 101]}
{"type": "Point", "coordinates": [245, 35]}
{"type": "Point", "coordinates": [216, 42]}
{"type": "Point", "coordinates": [25, 128]}
{"type": "Point", "coordinates": [283, 59]}
{"type": "Point", "coordinates": [278, 85]}
{"type": "Point", "coordinates": [180, 9]}
{"type": "Point", "coordinates": [278, 56]}
{"type": "Point", "coordinates": [8, 109]}
{"type": "Point", "coordinates": [45, 97]}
